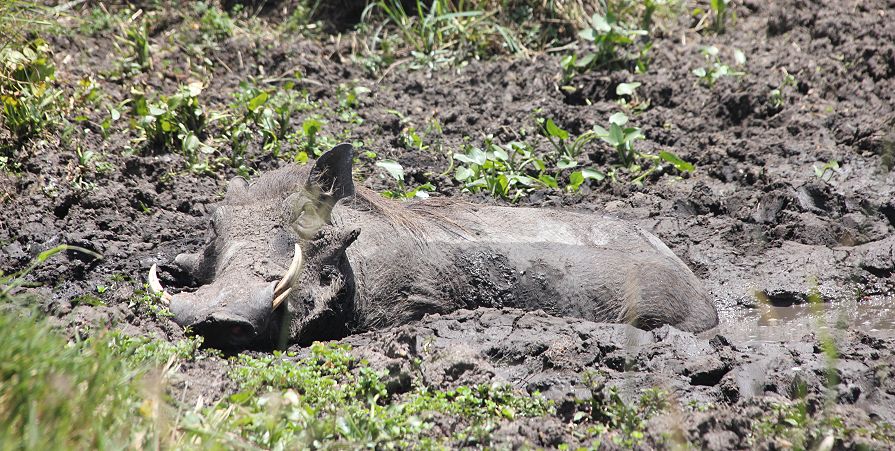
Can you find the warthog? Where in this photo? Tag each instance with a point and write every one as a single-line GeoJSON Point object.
{"type": "Point", "coordinates": [302, 254]}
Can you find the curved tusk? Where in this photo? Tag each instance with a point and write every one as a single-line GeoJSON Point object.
{"type": "Point", "coordinates": [286, 282]}
{"type": "Point", "coordinates": [155, 286]}
{"type": "Point", "coordinates": [279, 299]}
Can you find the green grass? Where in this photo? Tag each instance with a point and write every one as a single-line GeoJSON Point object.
{"type": "Point", "coordinates": [61, 394]}
{"type": "Point", "coordinates": [48, 383]}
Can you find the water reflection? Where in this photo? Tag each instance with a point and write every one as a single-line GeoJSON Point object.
{"type": "Point", "coordinates": [767, 322]}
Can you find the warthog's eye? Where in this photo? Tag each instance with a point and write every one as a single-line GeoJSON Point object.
{"type": "Point", "coordinates": [304, 215]}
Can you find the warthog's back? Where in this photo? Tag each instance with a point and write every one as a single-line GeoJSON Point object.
{"type": "Point", "coordinates": [567, 263]}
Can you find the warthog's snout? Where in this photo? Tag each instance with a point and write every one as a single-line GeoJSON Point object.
{"type": "Point", "coordinates": [226, 314]}
{"type": "Point", "coordinates": [232, 312]}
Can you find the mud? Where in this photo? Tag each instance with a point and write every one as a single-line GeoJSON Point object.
{"type": "Point", "coordinates": [767, 235]}
{"type": "Point", "coordinates": [569, 360]}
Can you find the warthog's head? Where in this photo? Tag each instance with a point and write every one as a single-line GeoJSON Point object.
{"type": "Point", "coordinates": [272, 264]}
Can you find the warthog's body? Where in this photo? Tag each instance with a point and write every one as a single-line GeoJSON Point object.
{"type": "Point", "coordinates": [372, 263]}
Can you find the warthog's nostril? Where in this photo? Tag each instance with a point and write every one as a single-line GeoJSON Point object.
{"type": "Point", "coordinates": [237, 330]}
{"type": "Point", "coordinates": [225, 332]}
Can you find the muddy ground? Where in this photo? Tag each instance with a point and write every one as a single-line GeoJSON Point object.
{"type": "Point", "coordinates": [754, 221]}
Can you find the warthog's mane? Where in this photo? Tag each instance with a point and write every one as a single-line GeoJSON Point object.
{"type": "Point", "coordinates": [416, 217]}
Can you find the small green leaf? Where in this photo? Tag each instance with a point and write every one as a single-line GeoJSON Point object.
{"type": "Point", "coordinates": [464, 159]}
{"type": "Point", "coordinates": [393, 168]}
{"type": "Point", "coordinates": [600, 24]}
{"type": "Point", "coordinates": [566, 163]}
{"type": "Point", "coordinates": [242, 396]}
{"type": "Point", "coordinates": [616, 135]}
{"type": "Point", "coordinates": [548, 180]}
{"type": "Point", "coordinates": [626, 89]}
{"type": "Point", "coordinates": [500, 154]}
{"type": "Point", "coordinates": [587, 34]}
{"type": "Point", "coordinates": [311, 126]}
{"type": "Point", "coordinates": [195, 89]}
{"type": "Point", "coordinates": [554, 130]}
{"type": "Point", "coordinates": [257, 101]}
{"type": "Point", "coordinates": [463, 173]}
{"type": "Point", "coordinates": [592, 174]}
{"type": "Point", "coordinates": [678, 163]}
{"type": "Point", "coordinates": [586, 60]}
{"type": "Point", "coordinates": [710, 51]}
{"type": "Point", "coordinates": [699, 72]}
{"type": "Point", "coordinates": [618, 119]}
{"type": "Point", "coordinates": [739, 57]}
{"type": "Point", "coordinates": [575, 180]}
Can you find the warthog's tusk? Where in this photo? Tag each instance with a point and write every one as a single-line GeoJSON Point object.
{"type": "Point", "coordinates": [284, 287]}
{"type": "Point", "coordinates": [155, 286]}
{"type": "Point", "coordinates": [279, 299]}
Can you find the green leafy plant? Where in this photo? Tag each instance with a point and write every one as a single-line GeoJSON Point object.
{"type": "Point", "coordinates": [629, 99]}
{"type": "Point", "coordinates": [27, 89]}
{"type": "Point", "coordinates": [777, 97]}
{"type": "Point", "coordinates": [215, 24]}
{"type": "Point", "coordinates": [721, 12]}
{"type": "Point", "coordinates": [332, 397]}
{"type": "Point", "coordinates": [621, 138]}
{"type": "Point", "coordinates": [137, 54]}
{"type": "Point", "coordinates": [568, 149]}
{"type": "Point", "coordinates": [175, 123]}
{"type": "Point", "coordinates": [716, 69]}
{"type": "Point", "coordinates": [612, 40]}
{"type": "Point", "coordinates": [396, 171]}
{"type": "Point", "coordinates": [827, 170]}
{"type": "Point", "coordinates": [610, 417]}
{"type": "Point", "coordinates": [504, 171]}
{"type": "Point", "coordinates": [349, 96]}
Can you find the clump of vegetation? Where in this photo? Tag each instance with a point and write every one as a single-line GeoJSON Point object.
{"type": "Point", "coordinates": [793, 423]}
{"type": "Point", "coordinates": [628, 98]}
{"type": "Point", "coordinates": [396, 171]}
{"type": "Point", "coordinates": [508, 171]}
{"type": "Point", "coordinates": [608, 416]}
{"type": "Point", "coordinates": [621, 137]}
{"type": "Point", "coordinates": [716, 69]}
{"type": "Point", "coordinates": [175, 123]}
{"type": "Point", "coordinates": [613, 41]}
{"type": "Point", "coordinates": [777, 97]}
{"type": "Point", "coordinates": [272, 113]}
{"type": "Point", "coordinates": [28, 94]}
{"type": "Point", "coordinates": [332, 397]}
{"type": "Point", "coordinates": [826, 171]}
{"type": "Point", "coordinates": [215, 24]}
{"type": "Point", "coordinates": [720, 13]}
{"type": "Point", "coordinates": [134, 46]}
{"type": "Point", "coordinates": [48, 385]}
{"type": "Point", "coordinates": [435, 34]}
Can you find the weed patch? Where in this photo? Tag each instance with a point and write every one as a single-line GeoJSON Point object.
{"type": "Point", "coordinates": [331, 397]}
{"type": "Point", "coordinates": [28, 94]}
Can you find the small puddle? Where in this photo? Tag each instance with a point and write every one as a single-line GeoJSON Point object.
{"type": "Point", "coordinates": [770, 323]}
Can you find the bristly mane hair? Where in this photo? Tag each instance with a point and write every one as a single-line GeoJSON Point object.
{"type": "Point", "coordinates": [410, 216]}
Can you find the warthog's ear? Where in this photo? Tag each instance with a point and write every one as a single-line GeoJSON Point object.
{"type": "Point", "coordinates": [331, 174]}
{"type": "Point", "coordinates": [236, 188]}
{"type": "Point", "coordinates": [329, 181]}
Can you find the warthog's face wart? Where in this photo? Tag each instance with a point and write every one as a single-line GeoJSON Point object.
{"type": "Point", "coordinates": [253, 261]}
